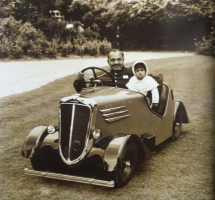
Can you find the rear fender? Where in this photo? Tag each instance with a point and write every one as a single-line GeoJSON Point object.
{"type": "Point", "coordinates": [116, 148]}
{"type": "Point", "coordinates": [179, 107]}
{"type": "Point", "coordinates": [34, 140]}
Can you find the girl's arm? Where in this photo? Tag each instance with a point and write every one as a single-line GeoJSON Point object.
{"type": "Point", "coordinates": [155, 95]}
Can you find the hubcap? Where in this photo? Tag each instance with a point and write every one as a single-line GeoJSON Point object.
{"type": "Point", "coordinates": [177, 129]}
{"type": "Point", "coordinates": [127, 164]}
{"type": "Point", "coordinates": [126, 168]}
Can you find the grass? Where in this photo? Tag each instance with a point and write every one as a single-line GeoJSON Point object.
{"type": "Point", "coordinates": [180, 170]}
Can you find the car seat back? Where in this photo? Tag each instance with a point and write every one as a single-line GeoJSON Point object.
{"type": "Point", "coordinates": [158, 78]}
{"type": "Point", "coordinates": [163, 91]}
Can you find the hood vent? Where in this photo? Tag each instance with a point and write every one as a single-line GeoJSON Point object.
{"type": "Point", "coordinates": [110, 112]}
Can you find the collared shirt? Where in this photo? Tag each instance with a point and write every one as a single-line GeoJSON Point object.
{"type": "Point", "coordinates": [121, 78]}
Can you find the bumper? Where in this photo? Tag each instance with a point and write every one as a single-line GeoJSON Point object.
{"type": "Point", "coordinates": [70, 178]}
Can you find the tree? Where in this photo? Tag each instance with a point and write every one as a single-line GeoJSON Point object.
{"type": "Point", "coordinates": [31, 10]}
{"type": "Point", "coordinates": [63, 6]}
{"type": "Point", "coordinates": [125, 12]}
{"type": "Point", "coordinates": [5, 9]}
{"type": "Point", "coordinates": [77, 10]}
{"type": "Point", "coordinates": [207, 45]}
{"type": "Point", "coordinates": [160, 21]}
{"type": "Point", "coordinates": [18, 38]}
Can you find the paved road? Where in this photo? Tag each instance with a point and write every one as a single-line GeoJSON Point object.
{"type": "Point", "coordinates": [21, 76]}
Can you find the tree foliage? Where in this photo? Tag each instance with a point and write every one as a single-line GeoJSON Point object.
{"type": "Point", "coordinates": [5, 9]}
{"type": "Point", "coordinates": [207, 45]}
{"type": "Point", "coordinates": [63, 6]}
{"type": "Point", "coordinates": [17, 38]}
{"type": "Point", "coordinates": [136, 12]}
{"type": "Point", "coordinates": [148, 24]}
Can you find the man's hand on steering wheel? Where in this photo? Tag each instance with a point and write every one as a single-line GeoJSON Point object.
{"type": "Point", "coordinates": [94, 80]}
{"type": "Point", "coordinates": [79, 76]}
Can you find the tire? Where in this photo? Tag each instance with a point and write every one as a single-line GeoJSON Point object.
{"type": "Point", "coordinates": [42, 159]}
{"type": "Point", "coordinates": [177, 127]}
{"type": "Point", "coordinates": [126, 166]}
{"type": "Point", "coordinates": [127, 46]}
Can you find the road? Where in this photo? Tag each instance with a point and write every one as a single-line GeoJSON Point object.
{"type": "Point", "coordinates": [22, 76]}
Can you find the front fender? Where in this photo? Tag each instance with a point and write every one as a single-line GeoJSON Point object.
{"type": "Point", "coordinates": [179, 107]}
{"type": "Point", "coordinates": [34, 140]}
{"type": "Point", "coordinates": [114, 151]}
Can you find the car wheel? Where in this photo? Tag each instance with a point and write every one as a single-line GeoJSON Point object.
{"type": "Point", "coordinates": [42, 160]}
{"type": "Point", "coordinates": [126, 165]}
{"type": "Point", "coordinates": [177, 127]}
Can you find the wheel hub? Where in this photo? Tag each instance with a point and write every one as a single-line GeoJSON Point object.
{"type": "Point", "coordinates": [127, 164]}
{"type": "Point", "coordinates": [126, 167]}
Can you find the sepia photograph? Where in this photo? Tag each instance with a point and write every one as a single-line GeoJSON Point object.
{"type": "Point", "coordinates": [107, 99]}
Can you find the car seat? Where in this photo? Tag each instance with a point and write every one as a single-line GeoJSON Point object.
{"type": "Point", "coordinates": [162, 99]}
{"type": "Point", "coordinates": [162, 90]}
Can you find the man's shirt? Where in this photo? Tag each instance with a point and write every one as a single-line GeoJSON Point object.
{"type": "Point", "coordinates": [121, 78]}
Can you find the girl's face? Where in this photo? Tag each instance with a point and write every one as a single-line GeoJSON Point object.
{"type": "Point", "coordinates": [140, 73]}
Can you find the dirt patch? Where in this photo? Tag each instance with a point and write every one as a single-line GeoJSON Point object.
{"type": "Point", "coordinates": [178, 170]}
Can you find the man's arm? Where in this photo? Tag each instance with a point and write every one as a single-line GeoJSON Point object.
{"type": "Point", "coordinates": [78, 83]}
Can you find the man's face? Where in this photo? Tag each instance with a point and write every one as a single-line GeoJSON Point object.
{"type": "Point", "coordinates": [140, 73]}
{"type": "Point", "coordinates": [115, 60]}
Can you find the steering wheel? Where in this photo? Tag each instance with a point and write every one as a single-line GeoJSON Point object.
{"type": "Point", "coordinates": [95, 79]}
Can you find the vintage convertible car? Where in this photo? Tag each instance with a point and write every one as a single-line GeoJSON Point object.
{"type": "Point", "coordinates": [103, 129]}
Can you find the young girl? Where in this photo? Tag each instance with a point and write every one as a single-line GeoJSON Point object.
{"type": "Point", "coordinates": [143, 83]}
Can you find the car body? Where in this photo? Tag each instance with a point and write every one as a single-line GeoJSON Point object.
{"type": "Point", "coordinates": [103, 126]}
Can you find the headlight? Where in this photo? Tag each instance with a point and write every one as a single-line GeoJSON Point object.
{"type": "Point", "coordinates": [51, 129]}
{"type": "Point", "coordinates": [97, 134]}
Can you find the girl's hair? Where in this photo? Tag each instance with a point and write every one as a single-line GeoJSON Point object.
{"type": "Point", "coordinates": [140, 65]}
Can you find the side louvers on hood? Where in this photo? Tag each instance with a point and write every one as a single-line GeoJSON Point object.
{"type": "Point", "coordinates": [115, 114]}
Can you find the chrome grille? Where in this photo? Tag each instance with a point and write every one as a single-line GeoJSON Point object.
{"type": "Point", "coordinates": [74, 128]}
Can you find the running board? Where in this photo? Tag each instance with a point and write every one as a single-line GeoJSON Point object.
{"type": "Point", "coordinates": [70, 178]}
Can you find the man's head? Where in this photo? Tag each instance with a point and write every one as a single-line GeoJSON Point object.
{"type": "Point", "coordinates": [116, 59]}
{"type": "Point", "coordinates": [140, 70]}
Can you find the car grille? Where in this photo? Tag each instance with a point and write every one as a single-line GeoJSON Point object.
{"type": "Point", "coordinates": [74, 128]}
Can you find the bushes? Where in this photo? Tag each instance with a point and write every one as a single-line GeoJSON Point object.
{"type": "Point", "coordinates": [33, 42]}
{"type": "Point", "coordinates": [91, 48]}
{"type": "Point", "coordinates": [104, 47]}
{"type": "Point", "coordinates": [51, 50]}
{"type": "Point", "coordinates": [8, 38]}
{"type": "Point", "coordinates": [4, 48]}
{"type": "Point", "coordinates": [79, 45]}
{"type": "Point", "coordinates": [17, 39]}
{"type": "Point", "coordinates": [95, 47]}
{"type": "Point", "coordinates": [207, 45]}
{"type": "Point", "coordinates": [16, 51]}
{"type": "Point", "coordinates": [10, 49]}
{"type": "Point", "coordinates": [51, 28]}
{"type": "Point", "coordinates": [66, 49]}
{"type": "Point", "coordinates": [83, 46]}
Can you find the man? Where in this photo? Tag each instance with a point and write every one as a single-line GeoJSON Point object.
{"type": "Point", "coordinates": [117, 69]}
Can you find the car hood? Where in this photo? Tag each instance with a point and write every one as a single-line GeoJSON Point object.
{"type": "Point", "coordinates": [104, 95]}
